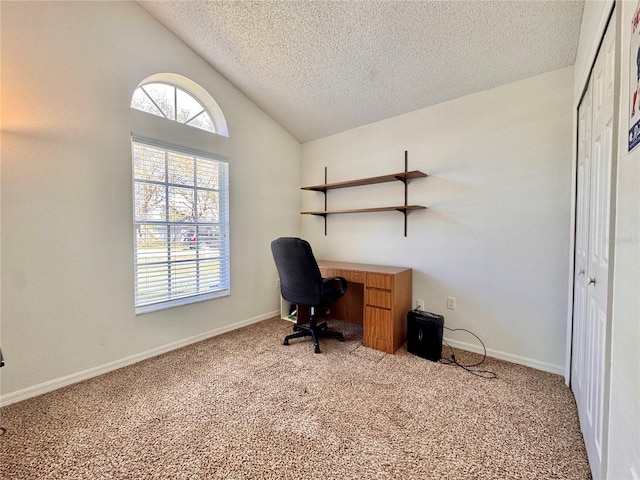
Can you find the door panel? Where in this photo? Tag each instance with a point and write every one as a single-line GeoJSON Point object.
{"type": "Point", "coordinates": [578, 370]}
{"type": "Point", "coordinates": [590, 326]}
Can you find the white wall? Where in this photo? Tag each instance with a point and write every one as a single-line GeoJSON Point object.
{"type": "Point", "coordinates": [624, 399]}
{"type": "Point", "coordinates": [68, 72]}
{"type": "Point", "coordinates": [496, 233]}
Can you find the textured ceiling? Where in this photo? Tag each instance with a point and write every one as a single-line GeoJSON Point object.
{"type": "Point", "coordinates": [323, 67]}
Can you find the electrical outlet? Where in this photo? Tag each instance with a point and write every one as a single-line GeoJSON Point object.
{"type": "Point", "coordinates": [420, 304]}
{"type": "Point", "coordinates": [278, 283]}
{"type": "Point", "coordinates": [451, 303]}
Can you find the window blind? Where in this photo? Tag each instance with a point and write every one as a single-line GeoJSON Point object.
{"type": "Point", "coordinates": [181, 225]}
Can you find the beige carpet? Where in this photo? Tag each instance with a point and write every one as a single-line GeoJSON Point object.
{"type": "Point", "coordinates": [242, 406]}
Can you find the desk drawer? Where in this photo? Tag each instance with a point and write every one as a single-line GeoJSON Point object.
{"type": "Point", "coordinates": [378, 298]}
{"type": "Point", "coordinates": [350, 275]}
{"type": "Point", "coordinates": [377, 323]}
{"type": "Point", "coordinates": [378, 280]}
{"type": "Point", "coordinates": [378, 330]}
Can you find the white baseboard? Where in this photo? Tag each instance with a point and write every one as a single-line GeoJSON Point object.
{"type": "Point", "coordinates": [509, 357]}
{"type": "Point", "coordinates": [123, 362]}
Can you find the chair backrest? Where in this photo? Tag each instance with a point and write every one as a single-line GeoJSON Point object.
{"type": "Point", "coordinates": [300, 278]}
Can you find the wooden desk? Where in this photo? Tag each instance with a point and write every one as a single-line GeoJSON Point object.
{"type": "Point", "coordinates": [378, 297]}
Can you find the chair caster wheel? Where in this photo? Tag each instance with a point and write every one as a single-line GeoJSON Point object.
{"type": "Point", "coordinates": [317, 350]}
{"type": "Point", "coordinates": [286, 342]}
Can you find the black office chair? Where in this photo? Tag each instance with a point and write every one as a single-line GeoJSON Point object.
{"type": "Point", "coordinates": [301, 283]}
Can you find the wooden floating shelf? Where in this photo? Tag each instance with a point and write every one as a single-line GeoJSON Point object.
{"type": "Point", "coordinates": [399, 208]}
{"type": "Point", "coordinates": [403, 177]}
{"type": "Point", "coordinates": [393, 177]}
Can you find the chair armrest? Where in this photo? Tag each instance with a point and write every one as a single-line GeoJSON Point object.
{"type": "Point", "coordinates": [342, 280]}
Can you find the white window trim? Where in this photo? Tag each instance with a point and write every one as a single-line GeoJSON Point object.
{"type": "Point", "coordinates": [154, 307]}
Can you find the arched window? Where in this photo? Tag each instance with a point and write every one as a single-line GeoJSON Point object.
{"type": "Point", "coordinates": [172, 103]}
{"type": "Point", "coordinates": [179, 99]}
{"type": "Point", "coordinates": [180, 198]}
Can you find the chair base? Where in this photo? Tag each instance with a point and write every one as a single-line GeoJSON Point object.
{"type": "Point", "coordinates": [314, 331]}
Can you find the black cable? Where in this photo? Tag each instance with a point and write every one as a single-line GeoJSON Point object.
{"type": "Point", "coordinates": [453, 361]}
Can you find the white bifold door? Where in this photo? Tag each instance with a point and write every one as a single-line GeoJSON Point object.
{"type": "Point", "coordinates": [590, 322]}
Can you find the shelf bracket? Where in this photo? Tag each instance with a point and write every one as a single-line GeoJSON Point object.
{"type": "Point", "coordinates": [405, 222]}
{"type": "Point", "coordinates": [325, 201]}
{"type": "Point", "coordinates": [403, 179]}
{"type": "Point", "coordinates": [405, 212]}
{"type": "Point", "coordinates": [406, 188]}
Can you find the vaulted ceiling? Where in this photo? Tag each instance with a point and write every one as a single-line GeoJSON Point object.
{"type": "Point", "coordinates": [323, 67]}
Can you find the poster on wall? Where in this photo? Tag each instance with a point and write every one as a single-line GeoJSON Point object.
{"type": "Point", "coordinates": [634, 82]}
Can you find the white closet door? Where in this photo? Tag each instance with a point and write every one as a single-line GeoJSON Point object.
{"type": "Point", "coordinates": [590, 325]}
{"type": "Point", "coordinates": [578, 358]}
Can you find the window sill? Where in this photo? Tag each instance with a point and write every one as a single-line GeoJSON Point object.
{"type": "Point", "coordinates": [154, 307]}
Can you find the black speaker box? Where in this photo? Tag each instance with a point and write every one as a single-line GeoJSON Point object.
{"type": "Point", "coordinates": [424, 334]}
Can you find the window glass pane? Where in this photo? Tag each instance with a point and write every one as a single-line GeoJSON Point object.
{"type": "Point", "coordinates": [198, 241]}
{"type": "Point", "coordinates": [177, 246]}
{"type": "Point", "coordinates": [208, 206]}
{"type": "Point", "coordinates": [164, 97]}
{"type": "Point", "coordinates": [148, 163]}
{"type": "Point", "coordinates": [207, 174]}
{"type": "Point", "coordinates": [184, 249]}
{"type": "Point", "coordinates": [207, 239]}
{"type": "Point", "coordinates": [185, 237]}
{"type": "Point", "coordinates": [141, 101]}
{"type": "Point", "coordinates": [202, 121]}
{"type": "Point", "coordinates": [181, 169]}
{"type": "Point", "coordinates": [151, 243]}
{"type": "Point", "coordinates": [188, 107]}
{"type": "Point", "coordinates": [149, 202]}
{"type": "Point", "coordinates": [181, 204]}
